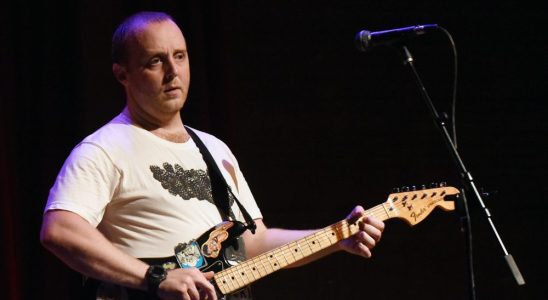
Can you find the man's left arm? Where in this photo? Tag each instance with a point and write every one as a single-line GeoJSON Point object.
{"type": "Point", "coordinates": [361, 243]}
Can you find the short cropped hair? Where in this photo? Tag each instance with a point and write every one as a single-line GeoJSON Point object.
{"type": "Point", "coordinates": [128, 28]}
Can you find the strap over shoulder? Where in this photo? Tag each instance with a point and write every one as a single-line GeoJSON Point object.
{"type": "Point", "coordinates": [219, 187]}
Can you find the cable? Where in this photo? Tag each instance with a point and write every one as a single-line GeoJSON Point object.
{"type": "Point", "coordinates": [454, 96]}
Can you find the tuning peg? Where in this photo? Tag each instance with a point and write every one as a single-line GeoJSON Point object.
{"type": "Point", "coordinates": [443, 183]}
{"type": "Point", "coordinates": [413, 188]}
{"type": "Point", "coordinates": [423, 186]}
{"type": "Point", "coordinates": [395, 190]}
{"type": "Point", "coordinates": [405, 189]}
{"type": "Point", "coordinates": [434, 185]}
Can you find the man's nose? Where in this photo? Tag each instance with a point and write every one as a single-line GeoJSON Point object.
{"type": "Point", "coordinates": [170, 69]}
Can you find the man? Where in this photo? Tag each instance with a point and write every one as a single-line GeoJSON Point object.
{"type": "Point", "coordinates": [138, 186]}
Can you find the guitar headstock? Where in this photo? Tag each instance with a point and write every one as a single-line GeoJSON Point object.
{"type": "Point", "coordinates": [415, 206]}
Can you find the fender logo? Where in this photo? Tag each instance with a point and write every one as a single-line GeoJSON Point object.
{"type": "Point", "coordinates": [420, 214]}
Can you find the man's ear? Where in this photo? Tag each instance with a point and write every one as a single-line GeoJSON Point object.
{"type": "Point", "coordinates": [120, 73]}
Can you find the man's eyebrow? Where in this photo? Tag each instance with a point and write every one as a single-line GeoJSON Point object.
{"type": "Point", "coordinates": [154, 52]}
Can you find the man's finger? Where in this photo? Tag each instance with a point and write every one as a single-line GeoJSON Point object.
{"type": "Point", "coordinates": [209, 275]}
{"type": "Point", "coordinates": [372, 231]}
{"type": "Point", "coordinates": [375, 223]}
{"type": "Point", "coordinates": [366, 239]}
{"type": "Point", "coordinates": [206, 287]}
{"type": "Point", "coordinates": [363, 250]}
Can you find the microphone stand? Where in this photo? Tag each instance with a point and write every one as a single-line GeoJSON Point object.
{"type": "Point", "coordinates": [466, 178]}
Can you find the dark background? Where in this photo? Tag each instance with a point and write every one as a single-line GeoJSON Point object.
{"type": "Point", "coordinates": [317, 126]}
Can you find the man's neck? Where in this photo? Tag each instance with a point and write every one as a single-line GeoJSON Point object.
{"type": "Point", "coordinates": [169, 128]}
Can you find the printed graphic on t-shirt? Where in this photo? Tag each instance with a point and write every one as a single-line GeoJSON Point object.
{"type": "Point", "coordinates": [184, 183]}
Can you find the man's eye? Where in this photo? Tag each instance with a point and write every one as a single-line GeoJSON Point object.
{"type": "Point", "coordinates": [180, 56]}
{"type": "Point", "coordinates": [155, 61]}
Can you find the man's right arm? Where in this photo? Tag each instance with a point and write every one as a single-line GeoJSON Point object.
{"type": "Point", "coordinates": [83, 248]}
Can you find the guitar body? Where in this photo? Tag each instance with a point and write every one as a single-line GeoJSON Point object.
{"type": "Point", "coordinates": [220, 248]}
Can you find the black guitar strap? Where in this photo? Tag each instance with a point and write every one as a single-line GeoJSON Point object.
{"type": "Point", "coordinates": [219, 187]}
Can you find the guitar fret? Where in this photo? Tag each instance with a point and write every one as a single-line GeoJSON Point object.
{"type": "Point", "coordinates": [249, 270]}
{"type": "Point", "coordinates": [283, 252]}
{"type": "Point", "coordinates": [339, 234]}
{"type": "Point", "coordinates": [234, 281]}
{"type": "Point", "coordinates": [294, 250]}
{"type": "Point", "coordinates": [314, 243]}
{"type": "Point", "coordinates": [276, 257]}
{"type": "Point", "coordinates": [268, 265]}
{"type": "Point", "coordinates": [331, 236]}
{"type": "Point", "coordinates": [290, 254]}
{"type": "Point", "coordinates": [303, 255]}
{"type": "Point", "coordinates": [264, 267]}
{"type": "Point", "coordinates": [241, 273]}
{"type": "Point", "coordinates": [272, 265]}
{"type": "Point", "coordinates": [318, 240]}
{"type": "Point", "coordinates": [237, 274]}
{"type": "Point", "coordinates": [255, 270]}
{"type": "Point", "coordinates": [291, 250]}
{"type": "Point", "coordinates": [228, 280]}
{"type": "Point", "coordinates": [323, 239]}
{"type": "Point", "coordinates": [235, 278]}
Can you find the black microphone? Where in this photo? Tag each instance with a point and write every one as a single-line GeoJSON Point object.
{"type": "Point", "coordinates": [366, 39]}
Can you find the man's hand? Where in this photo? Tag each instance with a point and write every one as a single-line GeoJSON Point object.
{"type": "Point", "coordinates": [187, 284]}
{"type": "Point", "coordinates": [369, 235]}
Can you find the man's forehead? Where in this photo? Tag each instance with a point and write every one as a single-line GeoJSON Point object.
{"type": "Point", "coordinates": [158, 35]}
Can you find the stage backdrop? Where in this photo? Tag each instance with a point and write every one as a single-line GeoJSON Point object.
{"type": "Point", "coordinates": [317, 126]}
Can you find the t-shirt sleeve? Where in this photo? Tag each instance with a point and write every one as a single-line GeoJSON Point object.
{"type": "Point", "coordinates": [86, 183]}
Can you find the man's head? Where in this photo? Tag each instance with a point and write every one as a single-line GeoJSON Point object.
{"type": "Point", "coordinates": [150, 60]}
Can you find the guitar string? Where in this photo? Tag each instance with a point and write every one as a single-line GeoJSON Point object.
{"type": "Point", "coordinates": [324, 237]}
{"type": "Point", "coordinates": [378, 211]}
{"type": "Point", "coordinates": [283, 250]}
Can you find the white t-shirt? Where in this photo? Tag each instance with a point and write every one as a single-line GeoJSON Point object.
{"type": "Point", "coordinates": [144, 193]}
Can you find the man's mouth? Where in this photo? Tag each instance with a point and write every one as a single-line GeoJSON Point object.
{"type": "Point", "coordinates": [171, 89]}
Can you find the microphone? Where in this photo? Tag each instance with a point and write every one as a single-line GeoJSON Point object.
{"type": "Point", "coordinates": [366, 39]}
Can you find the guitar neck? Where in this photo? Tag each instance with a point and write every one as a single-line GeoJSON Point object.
{"type": "Point", "coordinates": [239, 276]}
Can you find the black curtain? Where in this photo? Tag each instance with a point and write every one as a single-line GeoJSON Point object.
{"type": "Point", "coordinates": [317, 126]}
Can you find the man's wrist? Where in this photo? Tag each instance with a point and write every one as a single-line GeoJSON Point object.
{"type": "Point", "coordinates": [154, 276]}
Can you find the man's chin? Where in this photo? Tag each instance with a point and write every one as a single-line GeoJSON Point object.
{"type": "Point", "coordinates": [173, 105]}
